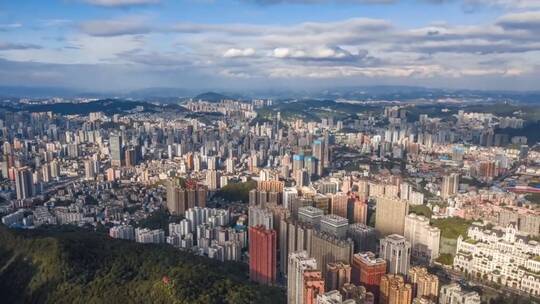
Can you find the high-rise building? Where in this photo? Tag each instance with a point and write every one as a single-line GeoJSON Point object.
{"type": "Point", "coordinates": [23, 183]}
{"type": "Point", "coordinates": [450, 185]}
{"type": "Point", "coordinates": [310, 164]}
{"type": "Point", "coordinates": [271, 186]}
{"type": "Point", "coordinates": [301, 178]}
{"type": "Point", "coordinates": [230, 165]}
{"type": "Point", "coordinates": [396, 250]}
{"type": "Point", "coordinates": [262, 255]}
{"type": "Point", "coordinates": [310, 215]}
{"type": "Point", "coordinates": [363, 236]}
{"type": "Point", "coordinates": [337, 275]}
{"type": "Point", "coordinates": [294, 236]}
{"type": "Point", "coordinates": [424, 284]}
{"type": "Point", "coordinates": [314, 285]}
{"type": "Point", "coordinates": [339, 204]}
{"type": "Point", "coordinates": [55, 168]}
{"type": "Point", "coordinates": [322, 202]}
{"type": "Point", "coordinates": [487, 170]}
{"type": "Point", "coordinates": [423, 237]}
{"type": "Point", "coordinates": [390, 215]}
{"type": "Point", "coordinates": [259, 216]}
{"type": "Point", "coordinates": [180, 199]}
{"type": "Point", "coordinates": [394, 290]}
{"type": "Point", "coordinates": [212, 179]}
{"type": "Point", "coordinates": [289, 194]}
{"type": "Point", "coordinates": [89, 172]}
{"type": "Point", "coordinates": [298, 163]}
{"type": "Point", "coordinates": [146, 236]}
{"type": "Point", "coordinates": [326, 249]}
{"type": "Point", "coordinates": [125, 232]}
{"type": "Point", "coordinates": [334, 225]}
{"type": "Point", "coordinates": [357, 211]}
{"type": "Point", "coordinates": [298, 263]}
{"type": "Point", "coordinates": [453, 294]}
{"type": "Point", "coordinates": [131, 158]}
{"type": "Point", "coordinates": [115, 146]}
{"type": "Point", "coordinates": [367, 271]}
{"type": "Point", "coordinates": [211, 163]}
{"type": "Point", "coordinates": [318, 153]}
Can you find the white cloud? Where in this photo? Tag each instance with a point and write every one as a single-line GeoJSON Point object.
{"type": "Point", "coordinates": [521, 21]}
{"type": "Point", "coordinates": [341, 50]}
{"type": "Point", "coordinates": [272, 2]}
{"type": "Point", "coordinates": [234, 52]}
{"type": "Point", "coordinates": [10, 26]}
{"type": "Point", "coordinates": [121, 3]}
{"type": "Point", "coordinates": [509, 4]}
{"type": "Point", "coordinates": [287, 53]}
{"type": "Point", "coordinates": [119, 27]}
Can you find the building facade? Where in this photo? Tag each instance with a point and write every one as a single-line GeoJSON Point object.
{"type": "Point", "coordinates": [262, 255]}
{"type": "Point", "coordinates": [396, 250]}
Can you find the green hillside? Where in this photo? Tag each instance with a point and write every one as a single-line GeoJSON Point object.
{"type": "Point", "coordinates": [75, 266]}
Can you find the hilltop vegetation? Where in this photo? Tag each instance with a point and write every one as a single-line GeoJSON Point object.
{"type": "Point", "coordinates": [237, 191]}
{"type": "Point", "coordinates": [211, 97]}
{"type": "Point", "coordinates": [68, 265]}
{"type": "Point", "coordinates": [452, 227]}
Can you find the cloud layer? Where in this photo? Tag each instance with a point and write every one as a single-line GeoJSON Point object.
{"type": "Point", "coordinates": [121, 3]}
{"type": "Point", "coordinates": [145, 50]}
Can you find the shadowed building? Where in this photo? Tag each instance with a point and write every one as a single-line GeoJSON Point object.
{"type": "Point", "coordinates": [262, 255]}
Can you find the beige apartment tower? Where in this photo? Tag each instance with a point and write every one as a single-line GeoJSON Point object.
{"type": "Point", "coordinates": [390, 216]}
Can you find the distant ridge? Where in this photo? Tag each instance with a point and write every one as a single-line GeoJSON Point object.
{"type": "Point", "coordinates": [107, 106]}
{"type": "Point", "coordinates": [211, 97]}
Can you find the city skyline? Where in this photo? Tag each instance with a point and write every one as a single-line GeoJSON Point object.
{"type": "Point", "coordinates": [115, 45]}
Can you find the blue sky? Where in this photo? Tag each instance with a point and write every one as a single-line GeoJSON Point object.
{"type": "Point", "coordinates": [115, 45]}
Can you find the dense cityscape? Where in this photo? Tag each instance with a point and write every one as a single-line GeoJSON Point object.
{"type": "Point", "coordinates": [386, 205]}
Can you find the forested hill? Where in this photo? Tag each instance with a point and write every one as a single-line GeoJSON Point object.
{"type": "Point", "coordinates": [75, 266]}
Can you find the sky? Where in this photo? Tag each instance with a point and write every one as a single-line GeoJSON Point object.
{"type": "Point", "coordinates": [122, 45]}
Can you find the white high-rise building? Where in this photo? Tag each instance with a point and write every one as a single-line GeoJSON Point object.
{"type": "Point", "coordinates": [145, 235]}
{"type": "Point", "coordinates": [298, 263]}
{"type": "Point", "coordinates": [453, 294]}
{"type": "Point", "coordinates": [260, 216]}
{"type": "Point", "coordinates": [229, 165]}
{"type": "Point", "coordinates": [424, 238]}
{"type": "Point", "coordinates": [125, 232]}
{"type": "Point", "coordinates": [335, 225]}
{"type": "Point", "coordinates": [310, 215]}
{"type": "Point", "coordinates": [396, 250]}
{"type": "Point", "coordinates": [289, 195]}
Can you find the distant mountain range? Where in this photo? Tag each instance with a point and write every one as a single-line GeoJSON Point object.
{"type": "Point", "coordinates": [362, 93]}
{"type": "Point", "coordinates": [107, 106]}
{"type": "Point", "coordinates": [211, 97]}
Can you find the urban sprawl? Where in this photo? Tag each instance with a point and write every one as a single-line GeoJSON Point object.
{"type": "Point", "coordinates": [378, 207]}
